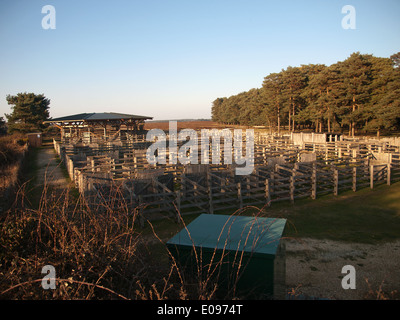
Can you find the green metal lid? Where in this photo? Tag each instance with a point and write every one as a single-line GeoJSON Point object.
{"type": "Point", "coordinates": [238, 233]}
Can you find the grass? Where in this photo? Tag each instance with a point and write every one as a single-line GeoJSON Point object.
{"type": "Point", "coordinates": [62, 167]}
{"type": "Point", "coordinates": [29, 177]}
{"type": "Point", "coordinates": [365, 216]}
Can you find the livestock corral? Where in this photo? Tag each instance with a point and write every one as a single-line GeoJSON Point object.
{"type": "Point", "coordinates": [286, 168]}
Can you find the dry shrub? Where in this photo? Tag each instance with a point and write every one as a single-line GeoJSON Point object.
{"type": "Point", "coordinates": [92, 251]}
{"type": "Point", "coordinates": [9, 177]}
{"type": "Point", "coordinates": [12, 150]}
{"type": "Point", "coordinates": [380, 294]}
{"type": "Point", "coordinates": [98, 252]}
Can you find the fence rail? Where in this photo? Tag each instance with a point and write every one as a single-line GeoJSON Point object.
{"type": "Point", "coordinates": [283, 172]}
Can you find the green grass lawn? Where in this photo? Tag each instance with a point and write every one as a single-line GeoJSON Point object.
{"type": "Point", "coordinates": [365, 216]}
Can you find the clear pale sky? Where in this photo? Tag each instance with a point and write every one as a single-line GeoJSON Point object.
{"type": "Point", "coordinates": [170, 59]}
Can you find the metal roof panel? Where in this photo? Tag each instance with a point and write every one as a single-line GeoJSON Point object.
{"type": "Point", "coordinates": [238, 233]}
{"type": "Point", "coordinates": [98, 116]}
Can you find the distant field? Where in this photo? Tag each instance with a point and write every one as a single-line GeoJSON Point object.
{"type": "Point", "coordinates": [201, 124]}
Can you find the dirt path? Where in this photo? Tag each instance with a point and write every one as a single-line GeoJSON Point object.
{"type": "Point", "coordinates": [314, 268]}
{"type": "Point", "coordinates": [49, 170]}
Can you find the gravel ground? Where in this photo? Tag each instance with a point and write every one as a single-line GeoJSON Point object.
{"type": "Point", "coordinates": [313, 269]}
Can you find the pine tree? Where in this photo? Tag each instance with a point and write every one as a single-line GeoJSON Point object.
{"type": "Point", "coordinates": [251, 108]}
{"type": "Point", "coordinates": [311, 114]}
{"type": "Point", "coordinates": [29, 112]}
{"type": "Point", "coordinates": [293, 81]}
{"type": "Point", "coordinates": [354, 92]}
{"type": "Point", "coordinates": [385, 106]}
{"type": "Point", "coordinates": [322, 90]}
{"type": "Point", "coordinates": [3, 127]}
{"type": "Point", "coordinates": [362, 92]}
{"type": "Point", "coordinates": [272, 98]}
{"type": "Point", "coordinates": [216, 110]}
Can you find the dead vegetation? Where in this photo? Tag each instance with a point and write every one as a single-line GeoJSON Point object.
{"type": "Point", "coordinates": [12, 150]}
{"type": "Point", "coordinates": [92, 250]}
{"type": "Point", "coordinates": [98, 252]}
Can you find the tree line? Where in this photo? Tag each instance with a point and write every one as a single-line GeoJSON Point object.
{"type": "Point", "coordinates": [358, 95]}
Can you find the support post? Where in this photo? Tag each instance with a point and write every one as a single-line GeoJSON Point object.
{"type": "Point", "coordinates": [371, 176]}
{"type": "Point", "coordinates": [314, 182]}
{"type": "Point", "coordinates": [354, 179]}
{"type": "Point", "coordinates": [292, 188]}
{"type": "Point", "coordinates": [267, 192]}
{"type": "Point", "coordinates": [336, 181]}
{"type": "Point", "coordinates": [209, 189]}
{"type": "Point", "coordinates": [239, 194]}
{"type": "Point", "coordinates": [271, 183]}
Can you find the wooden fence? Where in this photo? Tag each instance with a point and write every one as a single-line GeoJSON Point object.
{"type": "Point", "coordinates": [158, 191]}
{"type": "Point", "coordinates": [166, 194]}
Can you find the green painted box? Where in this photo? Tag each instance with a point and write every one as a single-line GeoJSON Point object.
{"type": "Point", "coordinates": [243, 255]}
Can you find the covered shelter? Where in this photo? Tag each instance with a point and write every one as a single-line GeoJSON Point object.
{"type": "Point", "coordinates": [98, 127]}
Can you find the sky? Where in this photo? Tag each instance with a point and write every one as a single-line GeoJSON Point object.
{"type": "Point", "coordinates": [170, 59]}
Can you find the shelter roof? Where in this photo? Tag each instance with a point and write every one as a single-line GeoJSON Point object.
{"type": "Point", "coordinates": [94, 116]}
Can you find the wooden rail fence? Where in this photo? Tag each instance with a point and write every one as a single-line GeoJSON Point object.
{"type": "Point", "coordinates": [283, 172]}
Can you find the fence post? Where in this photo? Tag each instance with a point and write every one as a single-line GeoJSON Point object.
{"type": "Point", "coordinates": [239, 194]}
{"type": "Point", "coordinates": [264, 155]}
{"type": "Point", "coordinates": [335, 181]}
{"type": "Point", "coordinates": [326, 152]}
{"type": "Point", "coordinates": [178, 201]}
{"type": "Point", "coordinates": [388, 174]}
{"type": "Point", "coordinates": [314, 182]}
{"type": "Point", "coordinates": [354, 153]}
{"type": "Point", "coordinates": [354, 179]}
{"type": "Point", "coordinates": [292, 188]}
{"type": "Point", "coordinates": [79, 182]}
{"type": "Point", "coordinates": [210, 198]}
{"type": "Point", "coordinates": [371, 176]}
{"type": "Point", "coordinates": [267, 192]}
{"type": "Point", "coordinates": [271, 184]}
